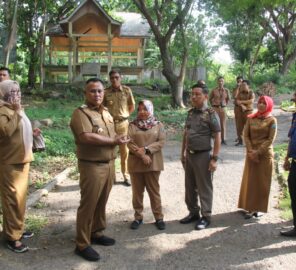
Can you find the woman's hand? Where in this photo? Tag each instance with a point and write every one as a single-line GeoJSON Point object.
{"type": "Point", "coordinates": [141, 151]}
{"type": "Point", "coordinates": [146, 160]}
{"type": "Point", "coordinates": [253, 155]}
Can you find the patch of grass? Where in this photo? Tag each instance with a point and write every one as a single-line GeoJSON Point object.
{"type": "Point", "coordinates": [35, 223]}
{"type": "Point", "coordinates": [40, 205]}
{"type": "Point", "coordinates": [285, 205]}
{"type": "Point", "coordinates": [285, 201]}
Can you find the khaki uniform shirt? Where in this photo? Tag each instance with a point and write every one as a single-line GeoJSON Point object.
{"type": "Point", "coordinates": [201, 125]}
{"type": "Point", "coordinates": [12, 143]}
{"type": "Point", "coordinates": [219, 97]}
{"type": "Point", "coordinates": [93, 120]}
{"type": "Point", "coordinates": [154, 140]}
{"type": "Point", "coordinates": [118, 101]}
{"type": "Point", "coordinates": [259, 134]}
{"type": "Point", "coordinates": [243, 96]}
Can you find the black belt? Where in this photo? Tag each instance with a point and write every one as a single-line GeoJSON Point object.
{"type": "Point", "coordinates": [95, 161]}
{"type": "Point", "coordinates": [218, 106]}
{"type": "Point", "coordinates": [120, 120]}
{"type": "Point", "coordinates": [197, 151]}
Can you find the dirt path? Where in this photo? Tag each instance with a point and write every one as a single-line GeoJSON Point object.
{"type": "Point", "coordinates": [229, 243]}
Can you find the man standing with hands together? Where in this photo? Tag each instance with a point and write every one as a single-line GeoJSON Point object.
{"type": "Point", "coordinates": [202, 125]}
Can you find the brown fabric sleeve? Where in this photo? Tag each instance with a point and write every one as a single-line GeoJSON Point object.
{"type": "Point", "coordinates": [246, 135]}
{"type": "Point", "coordinates": [132, 146]}
{"type": "Point", "coordinates": [156, 146]}
{"type": "Point", "coordinates": [131, 100]}
{"type": "Point", "coordinates": [8, 124]}
{"type": "Point", "coordinates": [272, 133]}
{"type": "Point", "coordinates": [80, 123]}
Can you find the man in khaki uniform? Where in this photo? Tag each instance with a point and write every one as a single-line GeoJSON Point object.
{"type": "Point", "coordinates": [243, 106]}
{"type": "Point", "coordinates": [202, 125]}
{"type": "Point", "coordinates": [235, 91]}
{"type": "Point", "coordinates": [219, 99]}
{"type": "Point", "coordinates": [120, 102]}
{"type": "Point", "coordinates": [95, 139]}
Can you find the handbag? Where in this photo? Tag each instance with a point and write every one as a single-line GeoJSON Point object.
{"type": "Point", "coordinates": [38, 143]}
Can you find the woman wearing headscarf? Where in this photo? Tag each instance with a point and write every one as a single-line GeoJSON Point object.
{"type": "Point", "coordinates": [145, 162]}
{"type": "Point", "coordinates": [259, 134]}
{"type": "Point", "coordinates": [16, 140]}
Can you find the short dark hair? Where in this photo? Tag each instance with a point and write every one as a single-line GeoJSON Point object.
{"type": "Point", "coordinates": [113, 71]}
{"type": "Point", "coordinates": [203, 87]}
{"type": "Point", "coordinates": [94, 80]}
{"type": "Point", "coordinates": [247, 82]}
{"type": "Point", "coordinates": [220, 77]}
{"type": "Point", "coordinates": [5, 68]}
{"type": "Point", "coordinates": [239, 77]}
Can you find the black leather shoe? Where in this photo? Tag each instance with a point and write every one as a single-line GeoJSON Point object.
{"type": "Point", "coordinates": [136, 224]}
{"type": "Point", "coordinates": [239, 143]}
{"type": "Point", "coordinates": [190, 218]}
{"type": "Point", "coordinates": [291, 233]}
{"type": "Point", "coordinates": [224, 142]}
{"type": "Point", "coordinates": [160, 224]}
{"type": "Point", "coordinates": [202, 223]}
{"type": "Point", "coordinates": [127, 182]}
{"type": "Point", "coordinates": [103, 240]}
{"type": "Point", "coordinates": [88, 253]}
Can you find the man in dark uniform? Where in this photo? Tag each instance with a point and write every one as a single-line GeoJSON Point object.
{"type": "Point", "coordinates": [290, 165]}
{"type": "Point", "coordinates": [120, 102]}
{"type": "Point", "coordinates": [95, 139]}
{"type": "Point", "coordinates": [202, 125]}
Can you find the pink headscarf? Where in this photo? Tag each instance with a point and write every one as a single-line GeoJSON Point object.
{"type": "Point", "coordinates": [269, 106]}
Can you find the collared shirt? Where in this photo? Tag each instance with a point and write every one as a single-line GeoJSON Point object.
{"type": "Point", "coordinates": [118, 101]}
{"type": "Point", "coordinates": [93, 120]}
{"type": "Point", "coordinates": [201, 125]}
{"type": "Point", "coordinates": [246, 95]}
{"type": "Point", "coordinates": [219, 97]}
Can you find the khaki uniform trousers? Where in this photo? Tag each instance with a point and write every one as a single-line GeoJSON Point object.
{"type": "Point", "coordinates": [241, 119]}
{"type": "Point", "coordinates": [95, 185]}
{"type": "Point", "coordinates": [198, 183]}
{"type": "Point", "coordinates": [150, 180]}
{"type": "Point", "coordinates": [222, 115]}
{"type": "Point", "coordinates": [13, 188]}
{"type": "Point", "coordinates": [121, 128]}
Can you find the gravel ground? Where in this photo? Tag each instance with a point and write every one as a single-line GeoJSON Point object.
{"type": "Point", "coordinates": [229, 243]}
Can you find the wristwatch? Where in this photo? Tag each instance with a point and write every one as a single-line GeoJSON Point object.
{"type": "Point", "coordinates": [147, 151]}
{"type": "Point", "coordinates": [214, 157]}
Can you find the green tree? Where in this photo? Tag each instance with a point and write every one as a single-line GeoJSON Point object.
{"type": "Point", "coordinates": [260, 20]}
{"type": "Point", "coordinates": [165, 19]}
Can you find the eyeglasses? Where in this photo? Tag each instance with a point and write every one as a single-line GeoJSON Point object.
{"type": "Point", "coordinates": [94, 91]}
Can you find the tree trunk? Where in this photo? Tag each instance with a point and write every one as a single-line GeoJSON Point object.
{"type": "Point", "coordinates": [32, 68]}
{"type": "Point", "coordinates": [287, 63]}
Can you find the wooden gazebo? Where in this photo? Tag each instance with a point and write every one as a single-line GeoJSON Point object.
{"type": "Point", "coordinates": [91, 42]}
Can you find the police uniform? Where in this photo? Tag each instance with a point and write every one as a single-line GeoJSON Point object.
{"type": "Point", "coordinates": [118, 102]}
{"type": "Point", "coordinates": [219, 99]}
{"type": "Point", "coordinates": [16, 140]}
{"type": "Point", "coordinates": [201, 126]}
{"type": "Point", "coordinates": [242, 111]}
{"type": "Point", "coordinates": [146, 176]}
{"type": "Point", "coordinates": [96, 168]}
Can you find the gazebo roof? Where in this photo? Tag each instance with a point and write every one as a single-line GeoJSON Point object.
{"type": "Point", "coordinates": [133, 25]}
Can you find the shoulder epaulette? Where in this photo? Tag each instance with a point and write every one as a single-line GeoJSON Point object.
{"type": "Point", "coordinates": [83, 106]}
